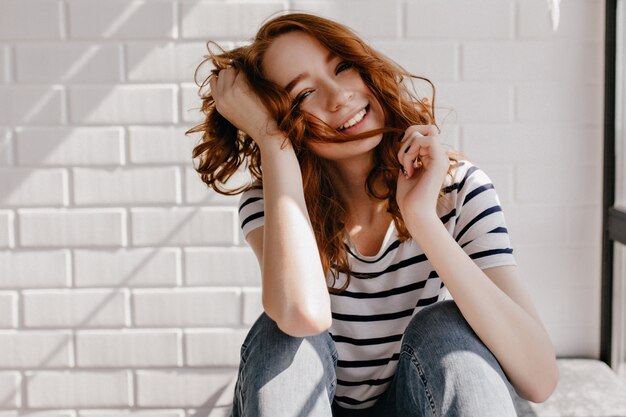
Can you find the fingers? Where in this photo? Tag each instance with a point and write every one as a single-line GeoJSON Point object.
{"type": "Point", "coordinates": [222, 85]}
{"type": "Point", "coordinates": [419, 146]}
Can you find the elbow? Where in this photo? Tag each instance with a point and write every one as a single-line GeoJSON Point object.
{"type": "Point", "coordinates": [543, 391]}
{"type": "Point", "coordinates": [302, 322]}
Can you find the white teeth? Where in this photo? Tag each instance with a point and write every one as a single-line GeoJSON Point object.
{"type": "Point", "coordinates": [356, 119]}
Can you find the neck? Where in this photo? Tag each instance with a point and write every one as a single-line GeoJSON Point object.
{"type": "Point", "coordinates": [349, 176]}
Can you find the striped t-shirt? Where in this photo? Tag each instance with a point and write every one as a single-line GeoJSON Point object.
{"type": "Point", "coordinates": [387, 289]}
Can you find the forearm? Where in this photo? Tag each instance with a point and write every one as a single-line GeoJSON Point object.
{"type": "Point", "coordinates": [517, 340]}
{"type": "Point", "coordinates": [294, 287]}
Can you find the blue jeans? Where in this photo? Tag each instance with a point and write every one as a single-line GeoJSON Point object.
{"type": "Point", "coordinates": [444, 370]}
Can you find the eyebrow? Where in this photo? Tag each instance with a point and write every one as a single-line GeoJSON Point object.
{"type": "Point", "coordinates": [303, 75]}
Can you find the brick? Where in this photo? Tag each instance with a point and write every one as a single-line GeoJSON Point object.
{"type": "Point", "coordinates": [10, 389]}
{"type": "Point", "coordinates": [5, 59]}
{"type": "Point", "coordinates": [374, 20]}
{"type": "Point", "coordinates": [34, 269]}
{"type": "Point", "coordinates": [572, 340]}
{"type": "Point", "coordinates": [213, 347]}
{"type": "Point", "coordinates": [35, 349]}
{"type": "Point", "coordinates": [473, 102]}
{"type": "Point", "coordinates": [198, 192]}
{"type": "Point", "coordinates": [8, 310]}
{"type": "Point", "coordinates": [166, 62]}
{"type": "Point", "coordinates": [518, 143]}
{"type": "Point", "coordinates": [189, 307]}
{"type": "Point", "coordinates": [218, 266]}
{"type": "Point", "coordinates": [580, 20]}
{"type": "Point", "coordinates": [183, 226]}
{"type": "Point", "coordinates": [150, 145]}
{"type": "Point", "coordinates": [559, 102]}
{"type": "Point", "coordinates": [33, 187]}
{"type": "Point", "coordinates": [120, 19]}
{"type": "Point", "coordinates": [532, 61]}
{"type": "Point", "coordinates": [560, 185]}
{"type": "Point", "coordinates": [131, 413]}
{"type": "Point", "coordinates": [75, 62]}
{"type": "Point", "coordinates": [122, 104]}
{"type": "Point", "coordinates": [432, 60]}
{"type": "Point", "coordinates": [501, 176]}
{"type": "Point", "coordinates": [191, 104]}
{"type": "Point", "coordinates": [25, 20]}
{"type": "Point", "coordinates": [7, 238]}
{"type": "Point", "coordinates": [6, 147]}
{"type": "Point", "coordinates": [56, 413]}
{"type": "Point", "coordinates": [526, 223]}
{"type": "Point", "coordinates": [214, 19]}
{"type": "Point", "coordinates": [78, 389]}
{"type": "Point", "coordinates": [458, 19]}
{"type": "Point", "coordinates": [69, 146]}
{"type": "Point", "coordinates": [584, 225]}
{"type": "Point", "coordinates": [134, 348]}
{"type": "Point", "coordinates": [252, 305]}
{"type": "Point", "coordinates": [126, 268]}
{"type": "Point", "coordinates": [31, 105]}
{"type": "Point", "coordinates": [554, 267]}
{"type": "Point", "coordinates": [77, 227]}
{"type": "Point", "coordinates": [179, 388]}
{"type": "Point", "coordinates": [74, 308]}
{"type": "Point", "coordinates": [220, 412]}
{"type": "Point", "coordinates": [126, 186]}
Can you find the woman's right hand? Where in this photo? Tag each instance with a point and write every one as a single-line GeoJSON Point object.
{"type": "Point", "coordinates": [239, 104]}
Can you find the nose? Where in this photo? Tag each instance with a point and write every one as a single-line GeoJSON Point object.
{"type": "Point", "coordinates": [338, 96]}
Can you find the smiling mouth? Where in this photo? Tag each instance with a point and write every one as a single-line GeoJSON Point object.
{"type": "Point", "coordinates": [355, 120]}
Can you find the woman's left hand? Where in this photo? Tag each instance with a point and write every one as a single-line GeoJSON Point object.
{"type": "Point", "coordinates": [418, 190]}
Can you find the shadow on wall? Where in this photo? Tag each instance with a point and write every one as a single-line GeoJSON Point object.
{"type": "Point", "coordinates": [90, 104]}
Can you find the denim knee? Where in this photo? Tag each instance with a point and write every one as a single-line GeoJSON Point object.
{"type": "Point", "coordinates": [458, 372]}
{"type": "Point", "coordinates": [284, 375]}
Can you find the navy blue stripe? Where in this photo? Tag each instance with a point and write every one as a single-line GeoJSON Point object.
{"type": "Point", "coordinates": [391, 247]}
{"type": "Point", "coordinates": [477, 191]}
{"type": "Point", "coordinates": [366, 342]}
{"type": "Point", "coordinates": [490, 252]}
{"type": "Point", "coordinates": [374, 317]}
{"type": "Point", "coordinates": [444, 219]}
{"type": "Point", "coordinates": [249, 201]}
{"type": "Point", "coordinates": [252, 217]}
{"type": "Point", "coordinates": [352, 401]}
{"type": "Point", "coordinates": [382, 294]}
{"type": "Point", "coordinates": [485, 213]}
{"type": "Point", "coordinates": [496, 230]}
{"type": "Point", "coordinates": [391, 268]}
{"type": "Point", "coordinates": [469, 172]}
{"type": "Point", "coordinates": [427, 301]}
{"type": "Point", "coordinates": [365, 382]}
{"type": "Point", "coordinates": [450, 188]}
{"type": "Point", "coordinates": [367, 363]}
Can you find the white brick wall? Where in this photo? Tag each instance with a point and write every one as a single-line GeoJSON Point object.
{"type": "Point", "coordinates": [126, 288]}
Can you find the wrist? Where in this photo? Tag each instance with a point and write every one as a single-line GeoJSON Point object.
{"type": "Point", "coordinates": [421, 223]}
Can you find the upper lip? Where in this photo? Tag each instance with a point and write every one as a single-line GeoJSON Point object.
{"type": "Point", "coordinates": [352, 114]}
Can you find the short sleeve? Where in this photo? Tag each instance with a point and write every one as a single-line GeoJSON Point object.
{"type": "Point", "coordinates": [251, 210]}
{"type": "Point", "coordinates": [480, 227]}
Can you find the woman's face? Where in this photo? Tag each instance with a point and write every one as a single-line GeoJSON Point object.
{"type": "Point", "coordinates": [326, 87]}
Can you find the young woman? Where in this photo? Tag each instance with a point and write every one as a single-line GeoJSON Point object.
{"type": "Point", "coordinates": [361, 220]}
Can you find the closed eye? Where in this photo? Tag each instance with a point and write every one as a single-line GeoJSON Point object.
{"type": "Point", "coordinates": [343, 66]}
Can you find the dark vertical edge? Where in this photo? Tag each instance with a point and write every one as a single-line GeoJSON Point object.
{"type": "Point", "coordinates": [606, 318]}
